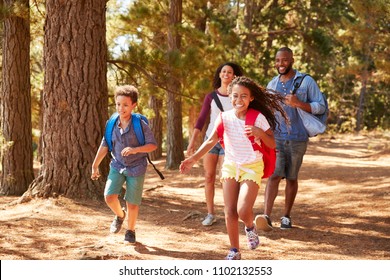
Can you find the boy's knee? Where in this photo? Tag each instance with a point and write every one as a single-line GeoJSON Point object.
{"type": "Point", "coordinates": [111, 198]}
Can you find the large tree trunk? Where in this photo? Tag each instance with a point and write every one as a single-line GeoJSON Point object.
{"type": "Point", "coordinates": [360, 109]}
{"type": "Point", "coordinates": [17, 158]}
{"type": "Point", "coordinates": [174, 119]}
{"type": "Point", "coordinates": [156, 125]}
{"type": "Point", "coordinates": [74, 98]}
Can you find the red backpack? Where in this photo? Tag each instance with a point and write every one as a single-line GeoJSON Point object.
{"type": "Point", "coordinates": [269, 155]}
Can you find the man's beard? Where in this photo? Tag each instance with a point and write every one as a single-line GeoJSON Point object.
{"type": "Point", "coordinates": [288, 69]}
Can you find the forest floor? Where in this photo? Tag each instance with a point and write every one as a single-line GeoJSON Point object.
{"type": "Point", "coordinates": [342, 212]}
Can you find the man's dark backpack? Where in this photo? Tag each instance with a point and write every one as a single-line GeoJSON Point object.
{"type": "Point", "coordinates": [136, 121]}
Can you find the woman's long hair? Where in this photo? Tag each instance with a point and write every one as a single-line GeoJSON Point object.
{"type": "Point", "coordinates": [264, 101]}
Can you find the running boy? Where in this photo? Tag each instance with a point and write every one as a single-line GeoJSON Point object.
{"type": "Point", "coordinates": [242, 168]}
{"type": "Point", "coordinates": [128, 163]}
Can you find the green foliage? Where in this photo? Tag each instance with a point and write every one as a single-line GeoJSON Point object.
{"type": "Point", "coordinates": [337, 42]}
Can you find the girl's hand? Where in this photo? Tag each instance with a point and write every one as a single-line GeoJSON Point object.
{"type": "Point", "coordinates": [251, 130]}
{"type": "Point", "coordinates": [186, 165]}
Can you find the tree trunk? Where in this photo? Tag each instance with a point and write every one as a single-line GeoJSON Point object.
{"type": "Point", "coordinates": [17, 158]}
{"type": "Point", "coordinates": [360, 110]}
{"type": "Point", "coordinates": [156, 125]}
{"type": "Point", "coordinates": [74, 98]}
{"type": "Point", "coordinates": [174, 119]}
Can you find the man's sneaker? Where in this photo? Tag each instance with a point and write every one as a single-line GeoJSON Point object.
{"type": "Point", "coordinates": [234, 254]}
{"type": "Point", "coordinates": [116, 224]}
{"type": "Point", "coordinates": [263, 222]}
{"type": "Point", "coordinates": [285, 222]}
{"type": "Point", "coordinates": [253, 238]}
{"type": "Point", "coordinates": [209, 220]}
{"type": "Point", "coordinates": [130, 236]}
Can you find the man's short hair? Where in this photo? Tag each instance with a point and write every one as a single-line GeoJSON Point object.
{"type": "Point", "coordinates": [285, 49]}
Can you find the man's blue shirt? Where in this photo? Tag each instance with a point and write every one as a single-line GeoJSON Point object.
{"type": "Point", "coordinates": [308, 92]}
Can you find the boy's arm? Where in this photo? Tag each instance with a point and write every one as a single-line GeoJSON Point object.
{"type": "Point", "coordinates": [101, 153]}
{"type": "Point", "coordinates": [147, 148]}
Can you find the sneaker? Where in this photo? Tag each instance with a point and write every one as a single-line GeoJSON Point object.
{"type": "Point", "coordinates": [116, 224]}
{"type": "Point", "coordinates": [253, 238]}
{"type": "Point", "coordinates": [285, 222]}
{"type": "Point", "coordinates": [209, 220]}
{"type": "Point", "coordinates": [263, 222]}
{"type": "Point", "coordinates": [234, 254]}
{"type": "Point", "coordinates": [130, 236]}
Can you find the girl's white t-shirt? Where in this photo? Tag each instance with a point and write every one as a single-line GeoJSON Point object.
{"type": "Point", "coordinates": [238, 147]}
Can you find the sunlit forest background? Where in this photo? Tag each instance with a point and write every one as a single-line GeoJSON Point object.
{"type": "Point", "coordinates": [169, 50]}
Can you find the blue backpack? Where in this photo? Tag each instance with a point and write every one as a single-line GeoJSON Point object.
{"type": "Point", "coordinates": [139, 133]}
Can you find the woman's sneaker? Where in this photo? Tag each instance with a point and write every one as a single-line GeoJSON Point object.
{"type": "Point", "coordinates": [209, 220]}
{"type": "Point", "coordinates": [253, 238]}
{"type": "Point", "coordinates": [234, 254]}
{"type": "Point", "coordinates": [116, 224]}
{"type": "Point", "coordinates": [263, 222]}
{"type": "Point", "coordinates": [285, 222]}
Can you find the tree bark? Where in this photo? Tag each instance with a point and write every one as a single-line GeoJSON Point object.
{"type": "Point", "coordinates": [174, 119]}
{"type": "Point", "coordinates": [74, 98]}
{"type": "Point", "coordinates": [156, 125]}
{"type": "Point", "coordinates": [17, 156]}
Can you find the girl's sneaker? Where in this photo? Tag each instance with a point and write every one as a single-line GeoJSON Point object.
{"type": "Point", "coordinates": [234, 254]}
{"type": "Point", "coordinates": [253, 238]}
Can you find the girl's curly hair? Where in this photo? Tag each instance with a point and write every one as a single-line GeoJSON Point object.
{"type": "Point", "coordinates": [265, 101]}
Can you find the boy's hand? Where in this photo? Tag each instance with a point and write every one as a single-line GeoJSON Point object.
{"type": "Point", "coordinates": [95, 174]}
{"type": "Point", "coordinates": [128, 151]}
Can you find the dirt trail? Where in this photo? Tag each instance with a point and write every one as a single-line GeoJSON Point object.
{"type": "Point", "coordinates": [341, 212]}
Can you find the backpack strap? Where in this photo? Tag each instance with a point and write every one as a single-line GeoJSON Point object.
{"type": "Point", "coordinates": [297, 85]}
{"type": "Point", "coordinates": [220, 130]}
{"type": "Point", "coordinates": [251, 116]}
{"type": "Point", "coordinates": [136, 121]}
{"type": "Point", "coordinates": [269, 155]}
{"type": "Point", "coordinates": [109, 129]}
{"type": "Point", "coordinates": [217, 101]}
{"type": "Point", "coordinates": [143, 139]}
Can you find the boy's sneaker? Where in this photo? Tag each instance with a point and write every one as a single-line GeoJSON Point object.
{"type": "Point", "coordinates": [209, 220]}
{"type": "Point", "coordinates": [234, 254]}
{"type": "Point", "coordinates": [285, 222]}
{"type": "Point", "coordinates": [116, 224]}
{"type": "Point", "coordinates": [130, 236]}
{"type": "Point", "coordinates": [253, 238]}
{"type": "Point", "coordinates": [263, 222]}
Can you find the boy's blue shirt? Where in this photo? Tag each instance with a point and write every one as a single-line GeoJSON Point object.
{"type": "Point", "coordinates": [307, 92]}
{"type": "Point", "coordinates": [136, 164]}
